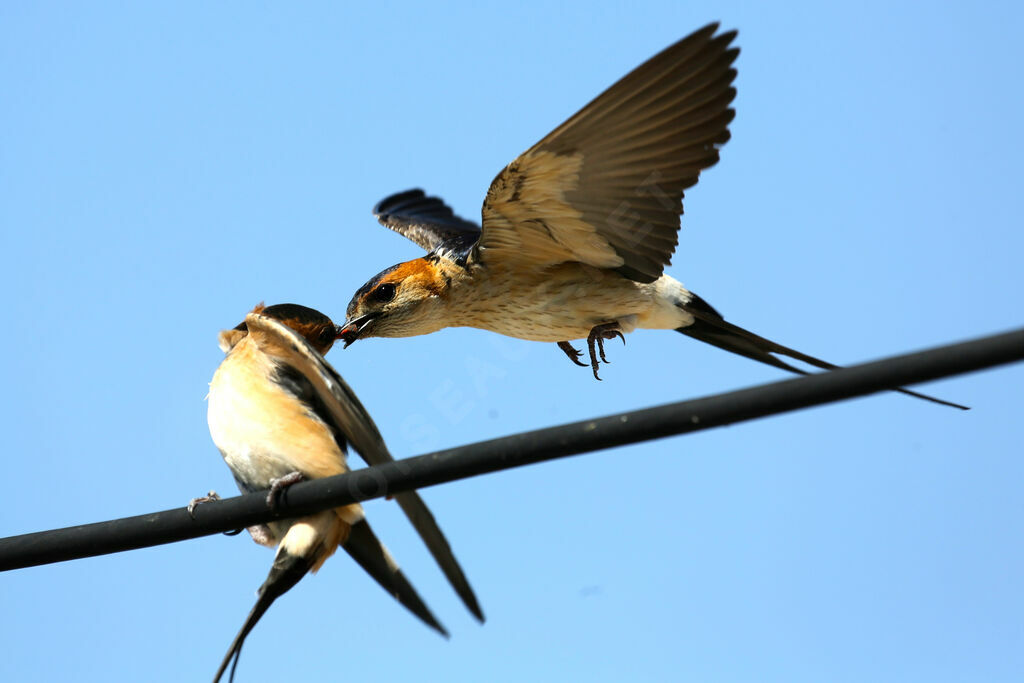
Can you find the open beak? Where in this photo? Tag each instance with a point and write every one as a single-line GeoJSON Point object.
{"type": "Point", "coordinates": [354, 328]}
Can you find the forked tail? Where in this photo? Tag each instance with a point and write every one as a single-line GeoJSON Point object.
{"type": "Point", "coordinates": [710, 327]}
{"type": "Point", "coordinates": [364, 547]}
{"type": "Point", "coordinates": [286, 572]}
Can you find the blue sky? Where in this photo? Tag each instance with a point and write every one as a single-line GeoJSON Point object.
{"type": "Point", "coordinates": [163, 169]}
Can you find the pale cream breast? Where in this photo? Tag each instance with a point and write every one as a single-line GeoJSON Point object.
{"type": "Point", "coordinates": [263, 431]}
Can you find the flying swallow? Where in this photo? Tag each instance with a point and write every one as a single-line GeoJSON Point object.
{"type": "Point", "coordinates": [278, 412]}
{"type": "Point", "coordinates": [577, 231]}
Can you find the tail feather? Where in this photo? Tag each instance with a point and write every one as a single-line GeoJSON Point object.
{"type": "Point", "coordinates": [289, 568]}
{"type": "Point", "coordinates": [711, 328]}
{"type": "Point", "coordinates": [373, 557]}
{"type": "Point", "coordinates": [286, 571]}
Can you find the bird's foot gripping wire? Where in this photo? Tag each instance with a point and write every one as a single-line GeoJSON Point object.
{"type": "Point", "coordinates": [196, 502]}
{"type": "Point", "coordinates": [209, 497]}
{"type": "Point", "coordinates": [572, 352]}
{"type": "Point", "coordinates": [278, 485]}
{"type": "Point", "coordinates": [596, 339]}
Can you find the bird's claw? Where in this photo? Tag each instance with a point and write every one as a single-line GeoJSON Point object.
{"type": "Point", "coordinates": [610, 334]}
{"type": "Point", "coordinates": [595, 343]}
{"type": "Point", "coordinates": [196, 502]}
{"type": "Point", "coordinates": [573, 353]}
{"type": "Point", "coordinates": [280, 484]}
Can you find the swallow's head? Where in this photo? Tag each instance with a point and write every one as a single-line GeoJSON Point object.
{"type": "Point", "coordinates": [319, 330]}
{"type": "Point", "coordinates": [402, 301]}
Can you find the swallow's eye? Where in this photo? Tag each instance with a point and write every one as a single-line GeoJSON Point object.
{"type": "Point", "coordinates": [383, 293]}
{"type": "Point", "coordinates": [327, 335]}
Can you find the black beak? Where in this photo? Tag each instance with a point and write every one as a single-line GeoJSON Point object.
{"type": "Point", "coordinates": [352, 329]}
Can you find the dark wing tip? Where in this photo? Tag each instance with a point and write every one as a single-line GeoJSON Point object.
{"type": "Point", "coordinates": [475, 609]}
{"type": "Point", "coordinates": [707, 32]}
{"type": "Point", "coordinates": [364, 547]}
{"type": "Point", "coordinates": [728, 36]}
{"type": "Point", "coordinates": [424, 219]}
{"type": "Point", "coordinates": [414, 204]}
{"type": "Point", "coordinates": [397, 200]}
{"type": "Point", "coordinates": [426, 526]}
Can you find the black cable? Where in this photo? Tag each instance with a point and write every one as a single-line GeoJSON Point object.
{"type": "Point", "coordinates": [511, 451]}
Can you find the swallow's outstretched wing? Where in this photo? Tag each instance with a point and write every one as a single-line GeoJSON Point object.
{"type": "Point", "coordinates": [427, 221]}
{"type": "Point", "coordinates": [348, 417]}
{"type": "Point", "coordinates": [605, 188]}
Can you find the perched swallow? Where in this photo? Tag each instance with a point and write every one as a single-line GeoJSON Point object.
{"type": "Point", "coordinates": [279, 412]}
{"type": "Point", "coordinates": [577, 231]}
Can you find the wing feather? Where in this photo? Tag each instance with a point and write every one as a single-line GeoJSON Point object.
{"type": "Point", "coordinates": [427, 221]}
{"type": "Point", "coordinates": [605, 188]}
{"type": "Point", "coordinates": [352, 419]}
